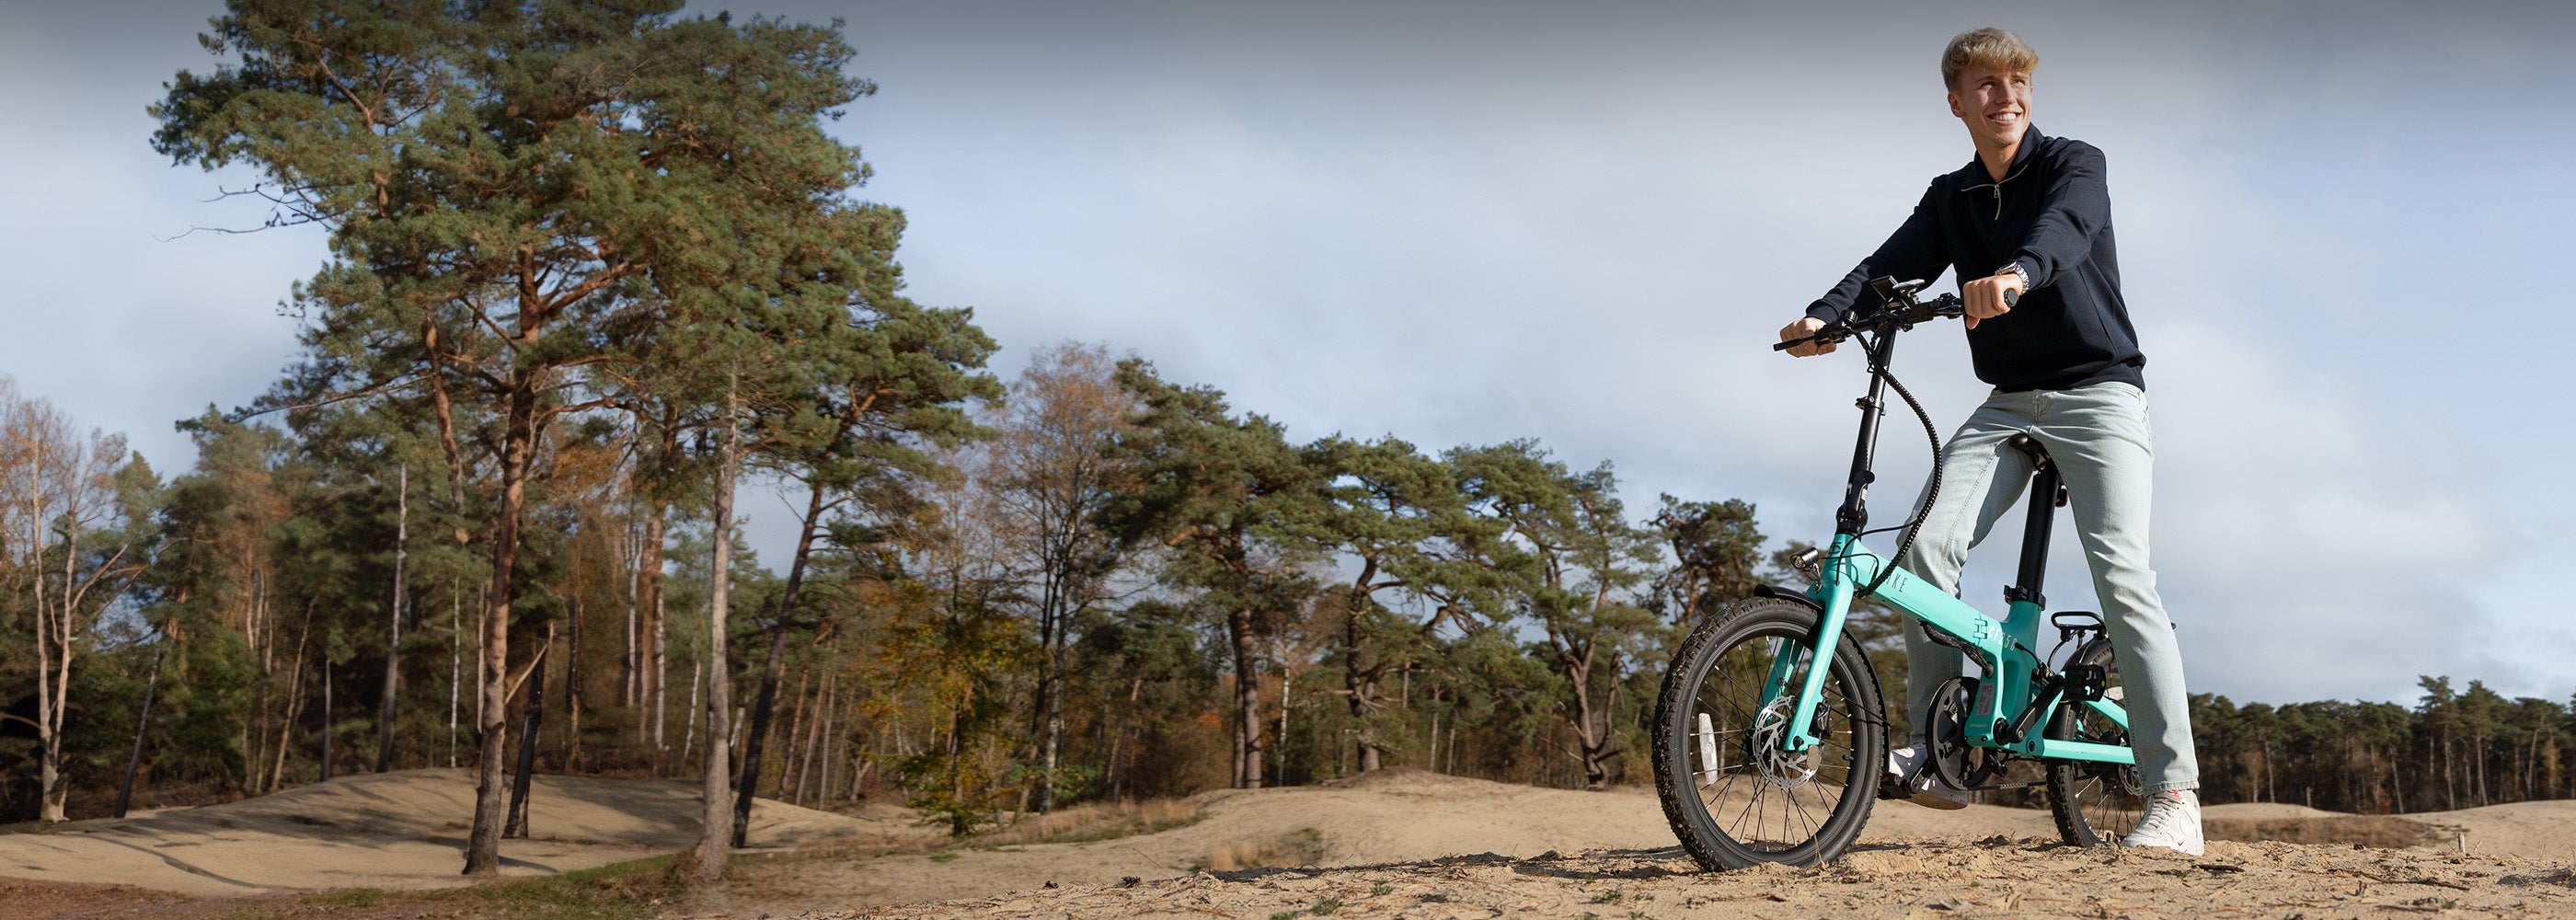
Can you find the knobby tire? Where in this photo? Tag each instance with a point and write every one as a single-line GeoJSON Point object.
{"type": "Point", "coordinates": [1800, 811]}
{"type": "Point", "coordinates": [2094, 803]}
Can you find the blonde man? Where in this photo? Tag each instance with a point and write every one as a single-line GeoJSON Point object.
{"type": "Point", "coordinates": [2031, 215]}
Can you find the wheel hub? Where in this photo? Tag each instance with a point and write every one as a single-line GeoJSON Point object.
{"type": "Point", "coordinates": [1782, 767]}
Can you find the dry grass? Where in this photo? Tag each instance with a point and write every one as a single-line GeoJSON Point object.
{"type": "Point", "coordinates": [1301, 848]}
{"type": "Point", "coordinates": [638, 889]}
{"type": "Point", "coordinates": [852, 849]}
{"type": "Point", "coordinates": [1105, 821]}
{"type": "Point", "coordinates": [2377, 831]}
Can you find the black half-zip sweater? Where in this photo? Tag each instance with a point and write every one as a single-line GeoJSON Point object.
{"type": "Point", "coordinates": [2052, 213]}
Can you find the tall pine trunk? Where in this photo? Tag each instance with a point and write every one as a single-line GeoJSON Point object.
{"type": "Point", "coordinates": [1247, 699]}
{"type": "Point", "coordinates": [134, 764]}
{"type": "Point", "coordinates": [572, 692]}
{"type": "Point", "coordinates": [767, 704]}
{"type": "Point", "coordinates": [326, 717]}
{"type": "Point", "coordinates": [1361, 667]}
{"type": "Point", "coordinates": [455, 663]}
{"type": "Point", "coordinates": [628, 671]}
{"type": "Point", "coordinates": [536, 713]}
{"type": "Point", "coordinates": [1050, 683]}
{"type": "Point", "coordinates": [656, 653]}
{"type": "Point", "coordinates": [393, 623]}
{"type": "Point", "coordinates": [491, 722]}
{"type": "Point", "coordinates": [714, 849]}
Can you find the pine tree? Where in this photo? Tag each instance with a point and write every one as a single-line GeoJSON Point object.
{"type": "Point", "coordinates": [516, 192]}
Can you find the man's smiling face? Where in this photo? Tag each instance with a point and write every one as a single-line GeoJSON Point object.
{"type": "Point", "coordinates": [1994, 104]}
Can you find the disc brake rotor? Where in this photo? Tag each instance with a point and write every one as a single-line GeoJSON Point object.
{"type": "Point", "coordinates": [1783, 768]}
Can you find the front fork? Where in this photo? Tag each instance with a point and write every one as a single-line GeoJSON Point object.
{"type": "Point", "coordinates": [1836, 585]}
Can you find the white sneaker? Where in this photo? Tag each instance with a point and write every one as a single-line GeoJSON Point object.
{"type": "Point", "coordinates": [1908, 780]}
{"type": "Point", "coordinates": [2172, 822]}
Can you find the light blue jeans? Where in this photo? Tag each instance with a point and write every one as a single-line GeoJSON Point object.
{"type": "Point", "coordinates": [2099, 437]}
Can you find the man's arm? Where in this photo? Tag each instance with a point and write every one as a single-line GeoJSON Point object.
{"type": "Point", "coordinates": [2076, 207]}
{"type": "Point", "coordinates": [1915, 250]}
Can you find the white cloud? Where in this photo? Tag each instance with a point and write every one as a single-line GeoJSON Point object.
{"type": "Point", "coordinates": [2309, 543]}
{"type": "Point", "coordinates": [121, 326]}
{"type": "Point", "coordinates": [1582, 226]}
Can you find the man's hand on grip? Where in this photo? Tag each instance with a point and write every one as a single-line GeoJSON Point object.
{"type": "Point", "coordinates": [1984, 297]}
{"type": "Point", "coordinates": [1804, 327]}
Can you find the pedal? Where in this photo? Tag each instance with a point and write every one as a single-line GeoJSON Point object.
{"type": "Point", "coordinates": [1892, 789]}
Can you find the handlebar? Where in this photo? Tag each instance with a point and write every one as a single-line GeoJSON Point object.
{"type": "Point", "coordinates": [1900, 311]}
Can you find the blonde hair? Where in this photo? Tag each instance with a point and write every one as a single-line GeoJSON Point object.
{"type": "Point", "coordinates": [1990, 48]}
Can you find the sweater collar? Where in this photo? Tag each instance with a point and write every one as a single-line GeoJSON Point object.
{"type": "Point", "coordinates": [1973, 175]}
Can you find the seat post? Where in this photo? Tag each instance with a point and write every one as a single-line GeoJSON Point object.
{"type": "Point", "coordinates": [2045, 486]}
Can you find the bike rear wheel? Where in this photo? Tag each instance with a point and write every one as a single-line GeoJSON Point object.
{"type": "Point", "coordinates": [2094, 803]}
{"type": "Point", "coordinates": [1733, 797]}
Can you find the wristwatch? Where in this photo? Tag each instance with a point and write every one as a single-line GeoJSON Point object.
{"type": "Point", "coordinates": [2014, 267]}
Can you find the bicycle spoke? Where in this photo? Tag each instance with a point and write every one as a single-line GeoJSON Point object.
{"type": "Point", "coordinates": [2094, 803]}
{"type": "Point", "coordinates": [1757, 801]}
{"type": "Point", "coordinates": [1772, 809]}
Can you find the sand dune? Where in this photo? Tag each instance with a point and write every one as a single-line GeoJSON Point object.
{"type": "Point", "coordinates": [1387, 817]}
{"type": "Point", "coordinates": [2260, 811]}
{"type": "Point", "coordinates": [2529, 829]}
{"type": "Point", "coordinates": [1488, 848]}
{"type": "Point", "coordinates": [1513, 851]}
{"type": "Point", "coordinates": [401, 830]}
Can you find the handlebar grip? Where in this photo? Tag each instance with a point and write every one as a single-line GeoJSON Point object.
{"type": "Point", "coordinates": [1792, 343]}
{"type": "Point", "coordinates": [2012, 298]}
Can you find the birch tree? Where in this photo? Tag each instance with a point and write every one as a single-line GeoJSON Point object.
{"type": "Point", "coordinates": [64, 559]}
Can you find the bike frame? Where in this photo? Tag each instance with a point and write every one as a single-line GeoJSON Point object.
{"type": "Point", "coordinates": [2004, 713]}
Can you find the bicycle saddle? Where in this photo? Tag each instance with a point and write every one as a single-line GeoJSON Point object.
{"type": "Point", "coordinates": [2040, 464]}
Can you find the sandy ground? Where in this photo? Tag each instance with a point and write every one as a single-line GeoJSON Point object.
{"type": "Point", "coordinates": [1931, 879]}
{"type": "Point", "coordinates": [401, 830]}
{"type": "Point", "coordinates": [1395, 843]}
{"type": "Point", "coordinates": [1389, 817]}
{"type": "Point", "coordinates": [1406, 843]}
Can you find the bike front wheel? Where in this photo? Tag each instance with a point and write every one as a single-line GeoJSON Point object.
{"type": "Point", "coordinates": [1732, 793]}
{"type": "Point", "coordinates": [2094, 802]}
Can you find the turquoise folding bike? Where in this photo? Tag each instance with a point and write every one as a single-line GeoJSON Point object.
{"type": "Point", "coordinates": [1769, 737]}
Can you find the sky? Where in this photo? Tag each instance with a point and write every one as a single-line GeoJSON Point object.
{"type": "Point", "coordinates": [2342, 234]}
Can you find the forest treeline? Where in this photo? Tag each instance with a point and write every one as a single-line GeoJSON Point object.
{"type": "Point", "coordinates": [595, 270]}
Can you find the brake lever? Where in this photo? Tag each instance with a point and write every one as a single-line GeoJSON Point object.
{"type": "Point", "coordinates": [1949, 305]}
{"type": "Point", "coordinates": [1817, 339]}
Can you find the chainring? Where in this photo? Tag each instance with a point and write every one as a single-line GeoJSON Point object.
{"type": "Point", "coordinates": [1959, 764]}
